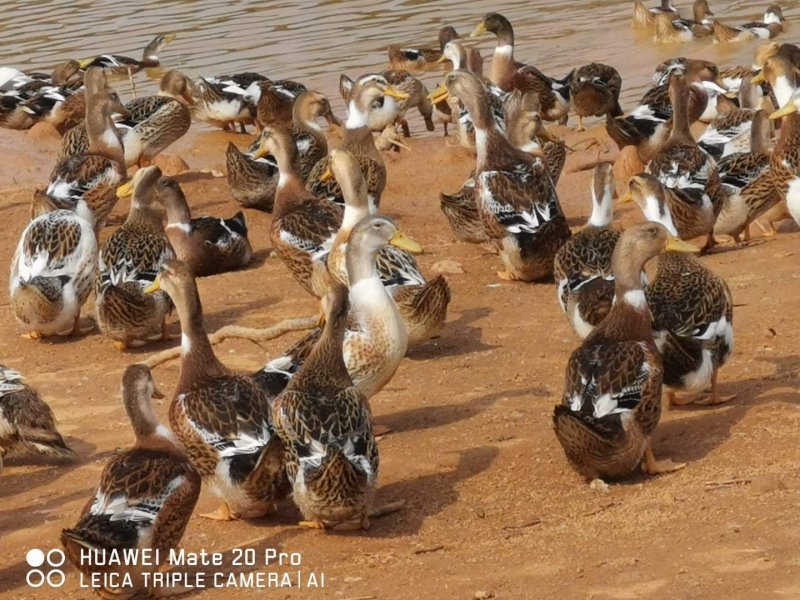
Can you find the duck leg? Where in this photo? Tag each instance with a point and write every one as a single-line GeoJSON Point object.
{"type": "Point", "coordinates": [32, 335]}
{"type": "Point", "coordinates": [714, 397]}
{"type": "Point", "coordinates": [76, 327]}
{"type": "Point", "coordinates": [580, 124]}
{"type": "Point", "coordinates": [314, 524]}
{"type": "Point", "coordinates": [223, 513]}
{"type": "Point", "coordinates": [651, 466]}
{"type": "Point", "coordinates": [133, 85]}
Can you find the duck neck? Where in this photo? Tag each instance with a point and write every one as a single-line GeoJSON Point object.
{"type": "Point", "coordinates": [788, 142]}
{"type": "Point", "coordinates": [147, 428]}
{"type": "Point", "coordinates": [290, 191]}
{"type": "Point", "coordinates": [630, 317]}
{"type": "Point", "coordinates": [103, 136]}
{"type": "Point", "coordinates": [784, 86]}
{"type": "Point", "coordinates": [760, 134]}
{"type": "Point", "coordinates": [358, 139]}
{"type": "Point", "coordinates": [503, 57]}
{"type": "Point", "coordinates": [141, 213]}
{"type": "Point", "coordinates": [305, 120]}
{"type": "Point", "coordinates": [601, 205]}
{"type": "Point", "coordinates": [681, 133]}
{"type": "Point", "coordinates": [198, 361]}
{"type": "Point", "coordinates": [177, 208]}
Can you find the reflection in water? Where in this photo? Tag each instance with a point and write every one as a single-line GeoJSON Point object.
{"type": "Point", "coordinates": [315, 40]}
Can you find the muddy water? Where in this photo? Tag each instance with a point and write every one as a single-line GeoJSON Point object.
{"type": "Point", "coordinates": [315, 40]}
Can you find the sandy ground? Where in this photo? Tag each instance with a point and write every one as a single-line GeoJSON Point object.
{"type": "Point", "coordinates": [492, 505]}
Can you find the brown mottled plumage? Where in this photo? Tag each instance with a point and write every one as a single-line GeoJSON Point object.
{"type": "Point", "coordinates": [372, 107]}
{"type": "Point", "coordinates": [582, 266]}
{"type": "Point", "coordinates": [221, 417]}
{"type": "Point", "coordinates": [209, 245]}
{"type": "Point", "coordinates": [517, 200]}
{"type": "Point", "coordinates": [422, 304]}
{"type": "Point", "coordinates": [324, 422]}
{"type": "Point", "coordinates": [128, 264]}
{"type": "Point", "coordinates": [770, 27]}
{"type": "Point", "coordinates": [420, 59]}
{"type": "Point", "coordinates": [692, 312]}
{"type": "Point", "coordinates": [252, 181]}
{"type": "Point", "coordinates": [594, 91]}
{"type": "Point", "coordinates": [461, 211]}
{"type": "Point", "coordinates": [276, 102]}
{"type": "Point", "coordinates": [510, 74]}
{"type": "Point", "coordinates": [644, 17]}
{"type": "Point", "coordinates": [612, 400]}
{"type": "Point", "coordinates": [145, 497]}
{"type": "Point", "coordinates": [27, 425]}
{"type": "Point", "coordinates": [303, 226]}
{"type": "Point", "coordinates": [688, 173]}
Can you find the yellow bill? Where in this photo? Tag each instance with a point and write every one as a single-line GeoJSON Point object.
{"type": "Point", "coordinates": [85, 62]}
{"type": "Point", "coordinates": [479, 30]}
{"type": "Point", "coordinates": [442, 59]}
{"type": "Point", "coordinates": [168, 37]}
{"type": "Point", "coordinates": [547, 136]}
{"type": "Point", "coordinates": [154, 287]}
{"type": "Point", "coordinates": [782, 112]}
{"type": "Point", "coordinates": [628, 197]}
{"type": "Point", "coordinates": [758, 79]}
{"type": "Point", "coordinates": [393, 92]}
{"type": "Point", "coordinates": [678, 245]}
{"type": "Point", "coordinates": [125, 190]}
{"type": "Point", "coordinates": [439, 94]}
{"type": "Point", "coordinates": [261, 152]}
{"type": "Point", "coordinates": [327, 175]}
{"type": "Point", "coordinates": [401, 240]}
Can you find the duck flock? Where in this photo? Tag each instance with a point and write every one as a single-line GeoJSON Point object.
{"type": "Point", "coordinates": [301, 427]}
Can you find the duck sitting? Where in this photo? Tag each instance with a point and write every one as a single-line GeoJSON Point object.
{"type": "Point", "coordinates": [420, 59]}
{"type": "Point", "coordinates": [324, 421]}
{"type": "Point", "coordinates": [152, 125]}
{"type": "Point", "coordinates": [770, 27]}
{"type": "Point", "coordinates": [422, 304]}
{"type": "Point", "coordinates": [27, 100]}
{"type": "Point", "coordinates": [209, 245]}
{"type": "Point", "coordinates": [644, 17]}
{"type": "Point", "coordinates": [128, 265]}
{"type": "Point", "coordinates": [516, 196]}
{"type": "Point", "coordinates": [582, 266]}
{"type": "Point", "coordinates": [27, 424]}
{"type": "Point", "coordinates": [612, 401]}
{"type": "Point", "coordinates": [145, 497]}
{"type": "Point", "coordinates": [222, 418]}
{"type": "Point", "coordinates": [274, 101]}
{"type": "Point", "coordinates": [252, 181]}
{"type": "Point", "coordinates": [669, 30]}
{"type": "Point", "coordinates": [225, 100]}
{"type": "Point", "coordinates": [52, 274]}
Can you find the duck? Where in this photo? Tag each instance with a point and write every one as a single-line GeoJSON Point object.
{"type": "Point", "coordinates": [27, 424]}
{"type": "Point", "coordinates": [509, 74]}
{"type": "Point", "coordinates": [612, 400]}
{"type": "Point", "coordinates": [144, 500]}
{"type": "Point", "coordinates": [274, 101]}
{"type": "Point", "coordinates": [729, 133]}
{"type": "Point", "coordinates": [27, 99]}
{"type": "Point", "coordinates": [582, 266]}
{"type": "Point", "coordinates": [422, 304]}
{"type": "Point", "coordinates": [372, 107]}
{"type": "Point", "coordinates": [781, 75]}
{"type": "Point", "coordinates": [744, 176]}
{"type": "Point", "coordinates": [209, 245]}
{"type": "Point", "coordinates": [412, 94]}
{"type": "Point", "coordinates": [303, 225]}
{"type": "Point", "coordinates": [120, 66]}
{"type": "Point", "coordinates": [594, 92]}
{"type": "Point", "coordinates": [52, 274]}
{"type": "Point", "coordinates": [324, 421]}
{"type": "Point", "coordinates": [770, 27]}
{"type": "Point", "coordinates": [222, 418]}
{"type": "Point", "coordinates": [648, 125]}
{"type": "Point", "coordinates": [153, 124]}
{"type": "Point", "coordinates": [644, 17]}
{"type": "Point", "coordinates": [253, 181]}
{"type": "Point", "coordinates": [224, 100]}
{"type": "Point", "coordinates": [87, 182]}
{"type": "Point", "coordinates": [420, 59]}
{"type": "Point", "coordinates": [670, 30]}
{"type": "Point", "coordinates": [785, 163]}
{"type": "Point", "coordinates": [689, 174]}
{"type": "Point", "coordinates": [461, 211]}
{"type": "Point", "coordinates": [459, 55]}
{"type": "Point", "coordinates": [515, 194]}
{"type": "Point", "coordinates": [128, 264]}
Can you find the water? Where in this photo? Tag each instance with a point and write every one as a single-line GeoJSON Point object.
{"type": "Point", "coordinates": [313, 41]}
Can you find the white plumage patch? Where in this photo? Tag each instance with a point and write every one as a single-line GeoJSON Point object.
{"type": "Point", "coordinates": [636, 299]}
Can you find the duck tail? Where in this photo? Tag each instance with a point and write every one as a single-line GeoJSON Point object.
{"type": "Point", "coordinates": [46, 441]}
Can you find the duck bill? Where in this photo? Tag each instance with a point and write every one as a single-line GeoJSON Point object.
{"type": "Point", "coordinates": [442, 59]}
{"type": "Point", "coordinates": [439, 94]}
{"type": "Point", "coordinates": [158, 394]}
{"type": "Point", "coordinates": [261, 152]}
{"type": "Point", "coordinates": [547, 136]}
{"type": "Point", "coordinates": [85, 62]}
{"type": "Point", "coordinates": [678, 245]}
{"type": "Point", "coordinates": [627, 198]}
{"type": "Point", "coordinates": [758, 79]}
{"type": "Point", "coordinates": [479, 30]}
{"type": "Point", "coordinates": [393, 92]}
{"type": "Point", "coordinates": [168, 37]}
{"type": "Point", "coordinates": [154, 287]}
{"type": "Point", "coordinates": [404, 242]}
{"type": "Point", "coordinates": [125, 190]}
{"type": "Point", "coordinates": [326, 176]}
{"type": "Point", "coordinates": [332, 119]}
{"type": "Point", "coordinates": [783, 112]}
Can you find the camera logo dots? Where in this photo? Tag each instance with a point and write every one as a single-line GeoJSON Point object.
{"type": "Point", "coordinates": [51, 574]}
